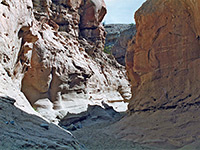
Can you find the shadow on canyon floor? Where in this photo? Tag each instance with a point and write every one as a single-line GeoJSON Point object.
{"type": "Point", "coordinates": [20, 130]}
{"type": "Point", "coordinates": [92, 129]}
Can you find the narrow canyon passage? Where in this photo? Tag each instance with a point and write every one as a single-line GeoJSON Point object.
{"type": "Point", "coordinates": [69, 81]}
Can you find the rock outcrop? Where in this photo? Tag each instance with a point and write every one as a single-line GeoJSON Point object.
{"type": "Point", "coordinates": [163, 66]}
{"type": "Point", "coordinates": [117, 38]}
{"type": "Point", "coordinates": [162, 61]}
{"type": "Point", "coordinates": [93, 116]}
{"type": "Point", "coordinates": [20, 130]}
{"type": "Point", "coordinates": [114, 31]}
{"type": "Point", "coordinates": [16, 17]}
{"type": "Point", "coordinates": [52, 54]}
{"type": "Point", "coordinates": [121, 45]}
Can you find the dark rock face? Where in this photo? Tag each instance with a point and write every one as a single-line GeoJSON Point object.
{"type": "Point", "coordinates": [121, 45]}
{"type": "Point", "coordinates": [113, 32]}
{"type": "Point", "coordinates": [94, 115]}
{"type": "Point", "coordinates": [20, 130]}
{"type": "Point", "coordinates": [117, 39]}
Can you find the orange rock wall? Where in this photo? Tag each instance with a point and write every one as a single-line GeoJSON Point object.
{"type": "Point", "coordinates": [163, 59]}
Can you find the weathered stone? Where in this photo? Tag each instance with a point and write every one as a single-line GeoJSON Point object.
{"type": "Point", "coordinates": [163, 65]}
{"type": "Point", "coordinates": [44, 64]}
{"type": "Point", "coordinates": [60, 74]}
{"type": "Point", "coordinates": [117, 38]}
{"type": "Point", "coordinates": [93, 115]}
{"type": "Point", "coordinates": [162, 61]}
{"type": "Point", "coordinates": [16, 18]}
{"type": "Point", "coordinates": [93, 13]}
{"type": "Point", "coordinates": [30, 131]}
{"type": "Point", "coordinates": [121, 45]}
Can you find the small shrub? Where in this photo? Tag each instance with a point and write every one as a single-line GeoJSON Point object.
{"type": "Point", "coordinates": [107, 49]}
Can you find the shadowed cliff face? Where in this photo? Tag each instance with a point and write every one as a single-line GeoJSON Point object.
{"type": "Point", "coordinates": [117, 39]}
{"type": "Point", "coordinates": [20, 130]}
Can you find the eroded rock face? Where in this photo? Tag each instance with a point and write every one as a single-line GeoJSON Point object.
{"type": "Point", "coordinates": [16, 17]}
{"type": "Point", "coordinates": [117, 38]}
{"type": "Point", "coordinates": [163, 60]}
{"type": "Point", "coordinates": [163, 65]}
{"type": "Point", "coordinates": [52, 52]}
{"type": "Point", "coordinates": [68, 70]}
{"type": "Point", "coordinates": [121, 45]}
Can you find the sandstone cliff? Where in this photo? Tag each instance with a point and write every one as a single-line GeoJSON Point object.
{"type": "Point", "coordinates": [162, 61]}
{"type": "Point", "coordinates": [163, 65]}
{"type": "Point", "coordinates": [51, 52]}
{"type": "Point", "coordinates": [51, 60]}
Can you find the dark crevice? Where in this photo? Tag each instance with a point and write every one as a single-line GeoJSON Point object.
{"type": "Point", "coordinates": [158, 32]}
{"type": "Point", "coordinates": [102, 70]}
{"type": "Point", "coordinates": [5, 3]}
{"type": "Point", "coordinates": [91, 28]}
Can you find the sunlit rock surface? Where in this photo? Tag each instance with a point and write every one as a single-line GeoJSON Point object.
{"type": "Point", "coordinates": [163, 66]}
{"type": "Point", "coordinates": [163, 59]}
{"type": "Point", "coordinates": [51, 56]}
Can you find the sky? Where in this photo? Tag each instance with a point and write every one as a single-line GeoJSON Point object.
{"type": "Point", "coordinates": [121, 11]}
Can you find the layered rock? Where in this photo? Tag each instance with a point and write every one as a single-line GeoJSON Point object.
{"type": "Point", "coordinates": [51, 59]}
{"type": "Point", "coordinates": [15, 17]}
{"type": "Point", "coordinates": [162, 61]}
{"type": "Point", "coordinates": [20, 130]}
{"type": "Point", "coordinates": [163, 65]}
{"type": "Point", "coordinates": [52, 52]}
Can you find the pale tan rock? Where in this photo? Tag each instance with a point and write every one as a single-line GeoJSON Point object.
{"type": "Point", "coordinates": [58, 70]}
{"type": "Point", "coordinates": [69, 78]}
{"type": "Point", "coordinates": [16, 17]}
{"type": "Point", "coordinates": [45, 65]}
{"type": "Point", "coordinates": [67, 72]}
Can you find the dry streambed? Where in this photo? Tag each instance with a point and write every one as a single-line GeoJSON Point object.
{"type": "Point", "coordinates": [91, 128]}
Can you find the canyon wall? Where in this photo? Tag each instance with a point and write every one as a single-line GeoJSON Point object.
{"type": "Point", "coordinates": [117, 38]}
{"type": "Point", "coordinates": [121, 45]}
{"type": "Point", "coordinates": [163, 59]}
{"type": "Point", "coordinates": [51, 57]}
{"type": "Point", "coordinates": [163, 63]}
